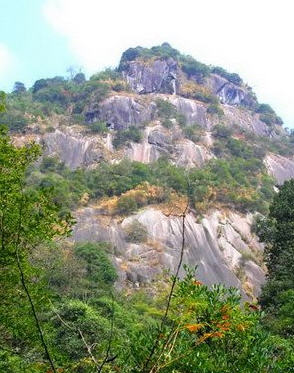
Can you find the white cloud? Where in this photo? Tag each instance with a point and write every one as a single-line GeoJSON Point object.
{"type": "Point", "coordinates": [6, 60]}
{"type": "Point", "coordinates": [253, 38]}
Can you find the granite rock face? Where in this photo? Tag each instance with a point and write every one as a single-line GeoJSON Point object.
{"type": "Point", "coordinates": [281, 168]}
{"type": "Point", "coordinates": [159, 75]}
{"type": "Point", "coordinates": [229, 93]}
{"type": "Point", "coordinates": [73, 148]}
{"type": "Point", "coordinates": [215, 245]}
{"type": "Point", "coordinates": [119, 112]}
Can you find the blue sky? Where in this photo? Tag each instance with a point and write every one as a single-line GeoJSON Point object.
{"type": "Point", "coordinates": [35, 49]}
{"type": "Point", "coordinates": [42, 38]}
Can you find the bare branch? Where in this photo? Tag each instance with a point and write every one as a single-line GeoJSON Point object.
{"type": "Point", "coordinates": [25, 287]}
{"type": "Point", "coordinates": [164, 318]}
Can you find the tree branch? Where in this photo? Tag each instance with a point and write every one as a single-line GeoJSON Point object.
{"type": "Point", "coordinates": [25, 287]}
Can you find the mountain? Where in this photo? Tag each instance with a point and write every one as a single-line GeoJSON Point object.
{"type": "Point", "coordinates": [127, 148]}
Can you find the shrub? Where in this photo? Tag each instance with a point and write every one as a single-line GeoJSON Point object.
{"type": "Point", "coordinates": [194, 68]}
{"type": "Point", "coordinates": [14, 121]}
{"type": "Point", "coordinates": [126, 204]}
{"type": "Point", "coordinates": [98, 127]}
{"type": "Point", "coordinates": [181, 119]}
{"type": "Point", "coordinates": [215, 109]}
{"type": "Point", "coordinates": [165, 109]}
{"type": "Point", "coordinates": [193, 132]}
{"type": "Point", "coordinates": [231, 77]}
{"type": "Point", "coordinates": [136, 232]}
{"type": "Point", "coordinates": [191, 89]}
{"type": "Point", "coordinates": [98, 266]}
{"type": "Point", "coordinates": [268, 115]}
{"type": "Point", "coordinates": [123, 136]}
{"type": "Point", "coordinates": [222, 131]}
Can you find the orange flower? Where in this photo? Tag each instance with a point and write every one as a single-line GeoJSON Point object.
{"type": "Point", "coordinates": [225, 317]}
{"type": "Point", "coordinates": [224, 326]}
{"type": "Point", "coordinates": [226, 308]}
{"type": "Point", "coordinates": [197, 283]}
{"type": "Point", "coordinates": [193, 327]}
{"type": "Point", "coordinates": [218, 335]}
{"type": "Point", "coordinates": [204, 337]}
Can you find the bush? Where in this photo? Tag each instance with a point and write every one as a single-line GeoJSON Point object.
{"type": "Point", "coordinates": [222, 131]}
{"type": "Point", "coordinates": [215, 109]}
{"type": "Point", "coordinates": [268, 115]}
{"type": "Point", "coordinates": [98, 127]}
{"type": "Point", "coordinates": [99, 268]}
{"type": "Point", "coordinates": [194, 68]}
{"type": "Point", "coordinates": [14, 121]}
{"type": "Point", "coordinates": [191, 89]}
{"type": "Point", "coordinates": [136, 232]}
{"type": "Point", "coordinates": [193, 132]}
{"type": "Point", "coordinates": [231, 77]}
{"type": "Point", "coordinates": [165, 109]}
{"type": "Point", "coordinates": [123, 136]}
{"type": "Point", "coordinates": [127, 204]}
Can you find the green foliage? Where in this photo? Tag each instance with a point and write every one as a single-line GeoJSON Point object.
{"type": "Point", "coordinates": [98, 266]}
{"type": "Point", "coordinates": [188, 64]}
{"type": "Point", "coordinates": [194, 68]}
{"type": "Point", "coordinates": [79, 78]}
{"type": "Point", "coordinates": [127, 204]}
{"type": "Point", "coordinates": [98, 127]}
{"type": "Point", "coordinates": [19, 88]}
{"type": "Point", "coordinates": [136, 232]}
{"type": "Point", "coordinates": [13, 121]}
{"type": "Point", "coordinates": [268, 115]}
{"type": "Point", "coordinates": [222, 131]}
{"type": "Point", "coordinates": [29, 219]}
{"type": "Point", "coordinates": [107, 74]}
{"type": "Point", "coordinates": [2, 101]}
{"type": "Point", "coordinates": [277, 233]}
{"type": "Point", "coordinates": [162, 51]}
{"type": "Point", "coordinates": [231, 77]}
{"type": "Point", "coordinates": [123, 136]}
{"type": "Point", "coordinates": [167, 111]}
{"type": "Point", "coordinates": [207, 330]}
{"type": "Point", "coordinates": [193, 132]}
{"type": "Point", "coordinates": [215, 109]}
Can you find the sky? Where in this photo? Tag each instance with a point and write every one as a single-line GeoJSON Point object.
{"type": "Point", "coordinates": [42, 38]}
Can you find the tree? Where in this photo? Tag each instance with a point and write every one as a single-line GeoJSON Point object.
{"type": "Point", "coordinates": [28, 219]}
{"type": "Point", "coordinates": [19, 88]}
{"type": "Point", "coordinates": [79, 78]}
{"type": "Point", "coordinates": [277, 232]}
{"type": "Point", "coordinates": [2, 101]}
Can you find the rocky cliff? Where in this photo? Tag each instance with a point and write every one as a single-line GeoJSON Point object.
{"type": "Point", "coordinates": [177, 105]}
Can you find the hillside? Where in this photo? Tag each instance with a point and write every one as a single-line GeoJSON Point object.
{"type": "Point", "coordinates": [146, 222]}
{"type": "Point", "coordinates": [127, 148]}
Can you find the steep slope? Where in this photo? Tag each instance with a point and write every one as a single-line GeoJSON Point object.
{"type": "Point", "coordinates": [203, 121]}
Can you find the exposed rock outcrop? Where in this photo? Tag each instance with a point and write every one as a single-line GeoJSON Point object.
{"type": "Point", "coordinates": [120, 112]}
{"type": "Point", "coordinates": [73, 148]}
{"type": "Point", "coordinates": [229, 93]}
{"type": "Point", "coordinates": [159, 75]}
{"type": "Point", "coordinates": [281, 168]}
{"type": "Point", "coordinates": [193, 111]}
{"type": "Point", "coordinates": [187, 154]}
{"type": "Point", "coordinates": [216, 245]}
